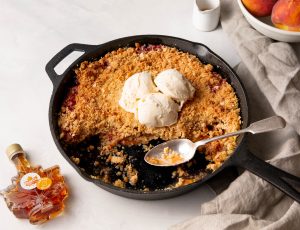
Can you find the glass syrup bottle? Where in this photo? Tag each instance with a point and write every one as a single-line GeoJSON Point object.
{"type": "Point", "coordinates": [35, 194]}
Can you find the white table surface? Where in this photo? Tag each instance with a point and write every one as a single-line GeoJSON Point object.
{"type": "Point", "coordinates": [31, 33]}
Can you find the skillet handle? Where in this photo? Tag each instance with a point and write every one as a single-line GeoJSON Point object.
{"type": "Point", "coordinates": [282, 180]}
{"type": "Point", "coordinates": [54, 77]}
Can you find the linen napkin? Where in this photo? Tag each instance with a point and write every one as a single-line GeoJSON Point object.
{"type": "Point", "coordinates": [270, 72]}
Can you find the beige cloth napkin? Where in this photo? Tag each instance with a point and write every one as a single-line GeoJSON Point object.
{"type": "Point", "coordinates": [270, 72]}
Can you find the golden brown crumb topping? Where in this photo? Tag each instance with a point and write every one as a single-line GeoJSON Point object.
{"type": "Point", "coordinates": [167, 157]}
{"type": "Point", "coordinates": [92, 108]}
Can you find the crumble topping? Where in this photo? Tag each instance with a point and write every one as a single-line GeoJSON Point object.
{"type": "Point", "coordinates": [167, 157]}
{"type": "Point", "coordinates": [91, 110]}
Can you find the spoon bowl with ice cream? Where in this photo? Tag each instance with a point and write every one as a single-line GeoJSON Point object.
{"type": "Point", "coordinates": [178, 151]}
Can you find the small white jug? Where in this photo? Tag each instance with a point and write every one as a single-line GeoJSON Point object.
{"type": "Point", "coordinates": [206, 14]}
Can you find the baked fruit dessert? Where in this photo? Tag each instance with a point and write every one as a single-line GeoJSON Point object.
{"type": "Point", "coordinates": [109, 143]}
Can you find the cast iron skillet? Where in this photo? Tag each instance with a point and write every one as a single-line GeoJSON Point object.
{"type": "Point", "coordinates": [241, 157]}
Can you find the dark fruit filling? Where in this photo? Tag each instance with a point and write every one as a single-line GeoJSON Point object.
{"type": "Point", "coordinates": [89, 159]}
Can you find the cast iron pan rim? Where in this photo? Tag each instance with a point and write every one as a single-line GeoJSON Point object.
{"type": "Point", "coordinates": [85, 176]}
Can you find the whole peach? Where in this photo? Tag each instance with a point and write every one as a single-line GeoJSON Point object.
{"type": "Point", "coordinates": [259, 8]}
{"type": "Point", "coordinates": [286, 15]}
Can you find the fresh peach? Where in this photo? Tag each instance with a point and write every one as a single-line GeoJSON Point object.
{"type": "Point", "coordinates": [259, 8]}
{"type": "Point", "coordinates": [286, 15]}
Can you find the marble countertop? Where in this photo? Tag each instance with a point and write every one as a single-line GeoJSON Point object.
{"type": "Point", "coordinates": [32, 32]}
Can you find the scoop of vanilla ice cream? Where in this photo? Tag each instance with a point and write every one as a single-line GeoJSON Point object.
{"type": "Point", "coordinates": [173, 84]}
{"type": "Point", "coordinates": [157, 110]}
{"type": "Point", "coordinates": [136, 87]}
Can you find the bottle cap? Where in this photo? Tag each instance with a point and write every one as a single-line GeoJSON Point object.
{"type": "Point", "coordinates": [13, 150]}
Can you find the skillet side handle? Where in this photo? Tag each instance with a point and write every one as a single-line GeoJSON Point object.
{"type": "Point", "coordinates": [54, 77]}
{"type": "Point", "coordinates": [282, 180]}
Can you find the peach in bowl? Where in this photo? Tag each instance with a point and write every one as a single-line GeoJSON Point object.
{"type": "Point", "coordinates": [283, 16]}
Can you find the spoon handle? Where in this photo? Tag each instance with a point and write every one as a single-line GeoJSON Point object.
{"type": "Point", "coordinates": [265, 125]}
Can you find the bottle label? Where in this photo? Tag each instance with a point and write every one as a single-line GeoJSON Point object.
{"type": "Point", "coordinates": [29, 181]}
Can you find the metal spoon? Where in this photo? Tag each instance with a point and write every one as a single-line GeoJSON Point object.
{"type": "Point", "coordinates": [186, 149]}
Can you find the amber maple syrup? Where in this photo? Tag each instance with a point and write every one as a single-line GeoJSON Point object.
{"type": "Point", "coordinates": [35, 194]}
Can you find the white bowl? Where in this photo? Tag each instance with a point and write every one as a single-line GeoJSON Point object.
{"type": "Point", "coordinates": [264, 25]}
